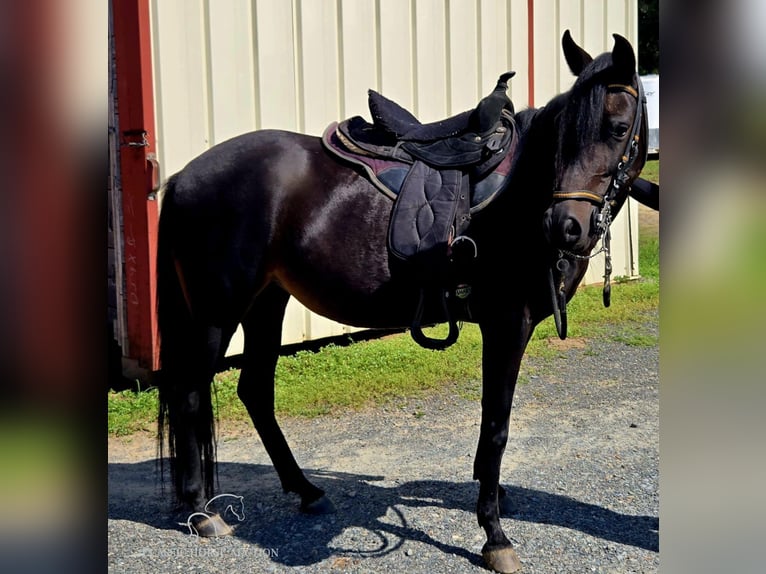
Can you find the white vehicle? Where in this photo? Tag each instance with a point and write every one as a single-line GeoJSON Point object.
{"type": "Point", "coordinates": [652, 90]}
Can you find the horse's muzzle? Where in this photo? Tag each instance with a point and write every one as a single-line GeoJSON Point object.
{"type": "Point", "coordinates": [568, 225]}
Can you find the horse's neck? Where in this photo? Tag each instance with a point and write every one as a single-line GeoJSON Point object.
{"type": "Point", "coordinates": [518, 209]}
{"type": "Point", "coordinates": [537, 148]}
{"type": "Point", "coordinates": [521, 206]}
{"type": "Point", "coordinates": [538, 128]}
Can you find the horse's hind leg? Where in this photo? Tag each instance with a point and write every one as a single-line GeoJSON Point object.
{"type": "Point", "coordinates": [263, 337]}
{"type": "Point", "coordinates": [190, 358]}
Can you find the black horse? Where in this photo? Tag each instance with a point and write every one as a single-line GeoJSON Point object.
{"type": "Point", "coordinates": [271, 214]}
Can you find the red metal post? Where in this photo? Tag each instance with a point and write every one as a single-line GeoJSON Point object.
{"type": "Point", "coordinates": [531, 53]}
{"type": "Point", "coordinates": [135, 101]}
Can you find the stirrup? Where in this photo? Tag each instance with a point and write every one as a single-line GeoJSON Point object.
{"type": "Point", "coordinates": [429, 342]}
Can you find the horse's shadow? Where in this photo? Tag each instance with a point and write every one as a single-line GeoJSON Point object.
{"type": "Point", "coordinates": [374, 509]}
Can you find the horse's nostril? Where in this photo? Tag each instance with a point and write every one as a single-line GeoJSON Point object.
{"type": "Point", "coordinates": [571, 231]}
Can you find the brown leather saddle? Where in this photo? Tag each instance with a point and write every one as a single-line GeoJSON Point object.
{"type": "Point", "coordinates": [438, 175]}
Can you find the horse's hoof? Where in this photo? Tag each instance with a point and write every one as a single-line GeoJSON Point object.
{"type": "Point", "coordinates": [211, 526]}
{"type": "Point", "coordinates": [501, 559]}
{"type": "Point", "coordinates": [321, 505]}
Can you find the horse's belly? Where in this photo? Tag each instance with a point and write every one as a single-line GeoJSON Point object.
{"type": "Point", "coordinates": [354, 294]}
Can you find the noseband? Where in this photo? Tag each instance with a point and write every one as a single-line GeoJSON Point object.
{"type": "Point", "coordinates": [602, 219]}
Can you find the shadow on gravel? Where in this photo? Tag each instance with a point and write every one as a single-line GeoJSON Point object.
{"type": "Point", "coordinates": [371, 518]}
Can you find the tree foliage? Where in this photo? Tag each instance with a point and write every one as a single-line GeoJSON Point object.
{"type": "Point", "coordinates": [648, 37]}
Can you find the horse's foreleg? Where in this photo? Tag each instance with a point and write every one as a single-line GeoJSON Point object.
{"type": "Point", "coordinates": [263, 337]}
{"type": "Point", "coordinates": [502, 353]}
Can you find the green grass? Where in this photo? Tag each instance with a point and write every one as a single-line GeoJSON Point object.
{"type": "Point", "coordinates": [389, 369]}
{"type": "Point", "coordinates": [130, 411]}
{"type": "Point", "coordinates": [651, 171]}
{"type": "Point", "coordinates": [355, 376]}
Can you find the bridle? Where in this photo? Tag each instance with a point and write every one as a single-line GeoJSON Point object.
{"type": "Point", "coordinates": [602, 219]}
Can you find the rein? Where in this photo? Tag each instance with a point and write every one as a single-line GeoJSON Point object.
{"type": "Point", "coordinates": [603, 218]}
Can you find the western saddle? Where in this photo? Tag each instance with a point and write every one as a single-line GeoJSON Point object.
{"type": "Point", "coordinates": [438, 175]}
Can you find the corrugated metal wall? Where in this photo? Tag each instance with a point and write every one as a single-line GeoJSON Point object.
{"type": "Point", "coordinates": [224, 67]}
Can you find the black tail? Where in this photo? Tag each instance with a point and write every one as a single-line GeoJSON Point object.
{"type": "Point", "coordinates": [176, 371]}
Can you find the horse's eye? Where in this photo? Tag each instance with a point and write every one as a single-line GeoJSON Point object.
{"type": "Point", "coordinates": [620, 131]}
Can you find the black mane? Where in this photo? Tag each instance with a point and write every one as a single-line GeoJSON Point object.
{"type": "Point", "coordinates": [580, 122]}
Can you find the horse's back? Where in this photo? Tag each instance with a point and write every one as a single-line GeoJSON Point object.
{"type": "Point", "coordinates": [244, 161]}
{"type": "Point", "coordinates": [274, 206]}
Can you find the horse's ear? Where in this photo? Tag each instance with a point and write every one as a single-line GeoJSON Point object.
{"type": "Point", "coordinates": [623, 58]}
{"type": "Point", "coordinates": [576, 57]}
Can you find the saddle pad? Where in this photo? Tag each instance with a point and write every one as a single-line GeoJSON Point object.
{"type": "Point", "coordinates": [388, 175]}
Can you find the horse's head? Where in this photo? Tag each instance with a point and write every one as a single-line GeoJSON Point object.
{"type": "Point", "coordinates": [601, 147]}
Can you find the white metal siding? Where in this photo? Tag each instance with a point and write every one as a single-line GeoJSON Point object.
{"type": "Point", "coordinates": [226, 67]}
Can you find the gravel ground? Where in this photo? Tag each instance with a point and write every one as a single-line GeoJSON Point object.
{"type": "Point", "coordinates": [581, 467]}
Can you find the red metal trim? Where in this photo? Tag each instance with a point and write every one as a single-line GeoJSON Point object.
{"type": "Point", "coordinates": [135, 97]}
{"type": "Point", "coordinates": [531, 53]}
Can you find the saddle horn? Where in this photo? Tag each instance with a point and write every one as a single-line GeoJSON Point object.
{"type": "Point", "coordinates": [487, 113]}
